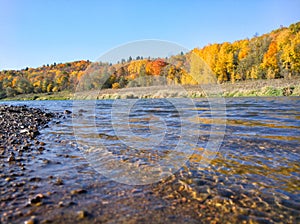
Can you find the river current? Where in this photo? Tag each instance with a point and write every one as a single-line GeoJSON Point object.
{"type": "Point", "coordinates": [169, 161]}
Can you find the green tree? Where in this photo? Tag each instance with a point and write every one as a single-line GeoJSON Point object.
{"type": "Point", "coordinates": [24, 86]}
{"type": "Point", "coordinates": [10, 92]}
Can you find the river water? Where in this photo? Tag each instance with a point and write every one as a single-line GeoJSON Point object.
{"type": "Point", "coordinates": [166, 161]}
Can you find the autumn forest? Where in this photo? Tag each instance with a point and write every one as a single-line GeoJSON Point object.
{"type": "Point", "coordinates": [275, 55]}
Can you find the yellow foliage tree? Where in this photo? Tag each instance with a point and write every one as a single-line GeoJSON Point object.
{"type": "Point", "coordinates": [200, 72]}
{"type": "Point", "coordinates": [116, 85]}
{"type": "Point", "coordinates": [135, 67]}
{"type": "Point", "coordinates": [270, 62]}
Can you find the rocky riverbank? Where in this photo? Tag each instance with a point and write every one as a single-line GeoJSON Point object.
{"type": "Point", "coordinates": [20, 125]}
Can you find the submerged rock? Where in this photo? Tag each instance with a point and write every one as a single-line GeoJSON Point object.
{"type": "Point", "coordinates": [37, 199]}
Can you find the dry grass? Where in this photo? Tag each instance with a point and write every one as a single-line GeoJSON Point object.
{"type": "Point", "coordinates": [276, 87]}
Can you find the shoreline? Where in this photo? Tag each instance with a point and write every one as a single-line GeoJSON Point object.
{"type": "Point", "coordinates": [255, 88]}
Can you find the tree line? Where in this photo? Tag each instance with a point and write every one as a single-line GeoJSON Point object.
{"type": "Point", "coordinates": [269, 56]}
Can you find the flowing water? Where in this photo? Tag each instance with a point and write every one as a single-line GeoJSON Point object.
{"type": "Point", "coordinates": [165, 161]}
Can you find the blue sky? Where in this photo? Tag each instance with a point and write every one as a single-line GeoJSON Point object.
{"type": "Point", "coordinates": [37, 32]}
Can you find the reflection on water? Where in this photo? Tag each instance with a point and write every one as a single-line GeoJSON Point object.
{"type": "Point", "coordinates": [255, 176]}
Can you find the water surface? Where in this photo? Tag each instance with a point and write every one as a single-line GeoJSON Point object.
{"type": "Point", "coordinates": [254, 176]}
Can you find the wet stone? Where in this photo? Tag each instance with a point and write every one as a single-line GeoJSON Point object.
{"type": "Point", "coordinates": [41, 149]}
{"type": "Point", "coordinates": [226, 193]}
{"type": "Point", "coordinates": [203, 189]}
{"type": "Point", "coordinates": [11, 158]}
{"type": "Point", "coordinates": [32, 220]}
{"type": "Point", "coordinates": [82, 214]}
{"type": "Point", "coordinates": [59, 181]}
{"type": "Point", "coordinates": [37, 199]}
{"type": "Point", "coordinates": [67, 112]}
{"type": "Point", "coordinates": [78, 191]}
{"type": "Point", "coordinates": [72, 203]}
{"type": "Point", "coordinates": [35, 179]}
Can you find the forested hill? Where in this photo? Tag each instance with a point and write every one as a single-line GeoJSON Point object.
{"type": "Point", "coordinates": [270, 56]}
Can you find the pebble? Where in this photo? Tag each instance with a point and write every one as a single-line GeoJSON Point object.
{"type": "Point", "coordinates": [226, 193]}
{"type": "Point", "coordinates": [11, 159]}
{"type": "Point", "coordinates": [41, 149]}
{"type": "Point", "coordinates": [203, 189]}
{"type": "Point", "coordinates": [37, 199]}
{"type": "Point", "coordinates": [183, 200]}
{"type": "Point", "coordinates": [32, 220]}
{"type": "Point", "coordinates": [78, 191]}
{"type": "Point", "coordinates": [82, 214]}
{"type": "Point", "coordinates": [67, 112]}
{"type": "Point", "coordinates": [35, 179]}
{"type": "Point", "coordinates": [7, 179]}
{"type": "Point", "coordinates": [59, 181]}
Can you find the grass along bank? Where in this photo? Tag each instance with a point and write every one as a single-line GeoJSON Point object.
{"type": "Point", "coordinates": [274, 87]}
{"type": "Point", "coordinates": [63, 95]}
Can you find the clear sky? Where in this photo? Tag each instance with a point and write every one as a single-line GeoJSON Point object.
{"type": "Point", "coordinates": [37, 32]}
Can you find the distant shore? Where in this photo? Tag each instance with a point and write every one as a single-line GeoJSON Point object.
{"type": "Point", "coordinates": [274, 87]}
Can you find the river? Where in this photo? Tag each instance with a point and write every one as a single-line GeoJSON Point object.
{"type": "Point", "coordinates": [165, 161]}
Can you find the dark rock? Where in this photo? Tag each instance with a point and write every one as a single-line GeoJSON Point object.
{"type": "Point", "coordinates": [67, 112]}
{"type": "Point", "coordinates": [33, 134]}
{"type": "Point", "coordinates": [35, 179]}
{"type": "Point", "coordinates": [41, 149]}
{"type": "Point", "coordinates": [82, 111]}
{"type": "Point", "coordinates": [36, 199]}
{"type": "Point", "coordinates": [11, 158]}
{"type": "Point", "coordinates": [203, 189]}
{"type": "Point", "coordinates": [225, 193]}
{"type": "Point", "coordinates": [72, 203]}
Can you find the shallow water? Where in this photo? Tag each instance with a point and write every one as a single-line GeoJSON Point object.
{"type": "Point", "coordinates": [159, 149]}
